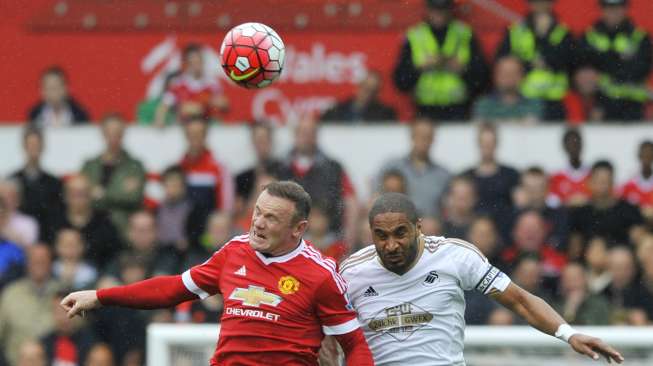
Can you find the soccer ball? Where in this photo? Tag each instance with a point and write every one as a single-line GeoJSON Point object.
{"type": "Point", "coordinates": [252, 55]}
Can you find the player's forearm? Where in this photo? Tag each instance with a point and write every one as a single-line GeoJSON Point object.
{"type": "Point", "coordinates": [154, 293]}
{"type": "Point", "coordinates": [357, 352]}
{"type": "Point", "coordinates": [539, 314]}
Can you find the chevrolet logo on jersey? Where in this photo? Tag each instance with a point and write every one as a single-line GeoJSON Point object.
{"type": "Point", "coordinates": [255, 296]}
{"type": "Point", "coordinates": [400, 321]}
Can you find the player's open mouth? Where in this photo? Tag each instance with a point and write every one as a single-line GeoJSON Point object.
{"type": "Point", "coordinates": [258, 235]}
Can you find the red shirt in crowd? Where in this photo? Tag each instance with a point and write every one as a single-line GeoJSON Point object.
{"type": "Point", "coordinates": [209, 179]}
{"type": "Point", "coordinates": [638, 191]}
{"type": "Point", "coordinates": [569, 184]}
{"type": "Point", "coordinates": [186, 88]}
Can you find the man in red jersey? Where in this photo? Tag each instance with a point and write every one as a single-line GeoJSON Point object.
{"type": "Point", "coordinates": [638, 190]}
{"type": "Point", "coordinates": [570, 186]}
{"type": "Point", "coordinates": [281, 297]}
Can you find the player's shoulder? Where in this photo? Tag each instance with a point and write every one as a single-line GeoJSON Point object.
{"type": "Point", "coordinates": [316, 263]}
{"type": "Point", "coordinates": [452, 247]}
{"type": "Point", "coordinates": [358, 260]}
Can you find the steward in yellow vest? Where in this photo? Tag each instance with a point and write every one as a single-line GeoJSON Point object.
{"type": "Point", "coordinates": [441, 65]}
{"type": "Point", "coordinates": [621, 52]}
{"type": "Point", "coordinates": [546, 48]}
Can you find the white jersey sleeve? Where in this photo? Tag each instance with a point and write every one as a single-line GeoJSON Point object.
{"type": "Point", "coordinates": [476, 272]}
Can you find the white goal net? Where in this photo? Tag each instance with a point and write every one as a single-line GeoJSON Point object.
{"type": "Point", "coordinates": [193, 345]}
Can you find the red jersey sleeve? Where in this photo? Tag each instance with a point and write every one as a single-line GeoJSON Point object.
{"type": "Point", "coordinates": [334, 311]}
{"type": "Point", "coordinates": [203, 280]}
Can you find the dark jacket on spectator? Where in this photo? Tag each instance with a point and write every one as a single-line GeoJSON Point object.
{"type": "Point", "coordinates": [12, 262]}
{"type": "Point", "coordinates": [77, 111]}
{"type": "Point", "coordinates": [345, 112]}
{"type": "Point", "coordinates": [41, 197]}
{"type": "Point", "coordinates": [82, 341]}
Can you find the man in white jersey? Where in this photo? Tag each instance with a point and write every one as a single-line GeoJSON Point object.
{"type": "Point", "coordinates": [408, 291]}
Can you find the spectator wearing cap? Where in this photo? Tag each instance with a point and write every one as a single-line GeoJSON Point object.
{"type": "Point", "coordinates": [546, 49]}
{"type": "Point", "coordinates": [41, 192]}
{"type": "Point", "coordinates": [56, 107]}
{"type": "Point", "coordinates": [118, 179]}
{"type": "Point", "coordinates": [441, 64]}
{"type": "Point", "coordinates": [364, 106]}
{"type": "Point", "coordinates": [622, 53]}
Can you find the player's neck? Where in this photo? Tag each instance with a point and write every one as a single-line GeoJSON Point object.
{"type": "Point", "coordinates": [286, 249]}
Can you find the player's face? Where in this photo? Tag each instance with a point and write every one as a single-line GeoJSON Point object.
{"type": "Point", "coordinates": [396, 240]}
{"type": "Point", "coordinates": [274, 230]}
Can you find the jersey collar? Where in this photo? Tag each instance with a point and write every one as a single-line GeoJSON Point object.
{"type": "Point", "coordinates": [282, 258]}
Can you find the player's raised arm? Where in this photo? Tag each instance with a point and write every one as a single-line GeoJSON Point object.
{"type": "Point", "coordinates": [541, 316]}
{"type": "Point", "coordinates": [154, 293]}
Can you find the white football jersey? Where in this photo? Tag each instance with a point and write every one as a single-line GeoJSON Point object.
{"type": "Point", "coordinates": [418, 318]}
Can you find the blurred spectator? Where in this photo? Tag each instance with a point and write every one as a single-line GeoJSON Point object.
{"type": "Point", "coordinates": [570, 186]}
{"type": "Point", "coordinates": [118, 179]}
{"type": "Point", "coordinates": [606, 215]}
{"type": "Point", "coordinates": [596, 257]}
{"type": "Point", "coordinates": [506, 103]}
{"type": "Point", "coordinates": [577, 304]}
{"type": "Point", "coordinates": [393, 181]}
{"type": "Point", "coordinates": [585, 101]}
{"type": "Point", "coordinates": [56, 107]}
{"type": "Point", "coordinates": [546, 48]}
{"type": "Point", "coordinates": [25, 305]}
{"type": "Point", "coordinates": [531, 194]}
{"type": "Point", "coordinates": [147, 109]}
{"type": "Point", "coordinates": [210, 186]}
{"type": "Point", "coordinates": [98, 232]}
{"type": "Point", "coordinates": [70, 268]}
{"type": "Point", "coordinates": [431, 226]}
{"type": "Point", "coordinates": [364, 106]}
{"type": "Point", "coordinates": [41, 192]}
{"type": "Point", "coordinates": [529, 238]}
{"type": "Point", "coordinates": [178, 221]}
{"type": "Point", "coordinates": [12, 256]}
{"type": "Point", "coordinates": [645, 299]}
{"type": "Point", "coordinates": [426, 180]}
{"type": "Point", "coordinates": [208, 310]}
{"type": "Point", "coordinates": [494, 181]}
{"type": "Point", "coordinates": [324, 179]}
{"type": "Point", "coordinates": [621, 52]}
{"type": "Point", "coordinates": [441, 64]}
{"type": "Point", "coordinates": [71, 340]}
{"type": "Point", "coordinates": [193, 92]}
{"type": "Point", "coordinates": [639, 189]}
{"type": "Point", "coordinates": [527, 274]}
{"type": "Point", "coordinates": [18, 227]}
{"type": "Point", "coordinates": [322, 237]}
{"type": "Point", "coordinates": [143, 245]}
{"type": "Point", "coordinates": [484, 235]}
{"type": "Point", "coordinates": [623, 290]}
{"type": "Point", "coordinates": [262, 140]}
{"type": "Point", "coordinates": [100, 355]}
{"type": "Point", "coordinates": [458, 211]}
{"type": "Point", "coordinates": [113, 323]}
{"type": "Point", "coordinates": [31, 353]}
{"type": "Point", "coordinates": [219, 230]}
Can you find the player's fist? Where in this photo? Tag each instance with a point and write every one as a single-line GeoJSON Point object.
{"type": "Point", "coordinates": [594, 348]}
{"type": "Point", "coordinates": [78, 302]}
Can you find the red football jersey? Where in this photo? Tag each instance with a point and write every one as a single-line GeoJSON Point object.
{"type": "Point", "coordinates": [276, 309]}
{"type": "Point", "coordinates": [638, 191]}
{"type": "Point", "coordinates": [569, 183]}
{"type": "Point", "coordinates": [186, 88]}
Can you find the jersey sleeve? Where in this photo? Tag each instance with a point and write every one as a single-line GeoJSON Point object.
{"type": "Point", "coordinates": [477, 273]}
{"type": "Point", "coordinates": [203, 280]}
{"type": "Point", "coordinates": [334, 310]}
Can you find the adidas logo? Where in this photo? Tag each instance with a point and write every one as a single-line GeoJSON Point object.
{"type": "Point", "coordinates": [370, 292]}
{"type": "Point", "coordinates": [242, 271]}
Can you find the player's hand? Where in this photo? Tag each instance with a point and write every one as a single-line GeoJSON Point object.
{"type": "Point", "coordinates": [78, 302]}
{"type": "Point", "coordinates": [431, 63]}
{"type": "Point", "coordinates": [594, 348]}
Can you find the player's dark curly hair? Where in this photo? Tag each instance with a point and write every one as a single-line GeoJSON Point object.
{"type": "Point", "coordinates": [394, 202]}
{"type": "Point", "coordinates": [293, 192]}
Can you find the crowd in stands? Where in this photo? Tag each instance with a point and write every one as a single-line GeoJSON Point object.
{"type": "Point", "coordinates": [572, 236]}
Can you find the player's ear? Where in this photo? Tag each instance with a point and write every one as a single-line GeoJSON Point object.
{"type": "Point", "coordinates": [300, 228]}
{"type": "Point", "coordinates": [418, 226]}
